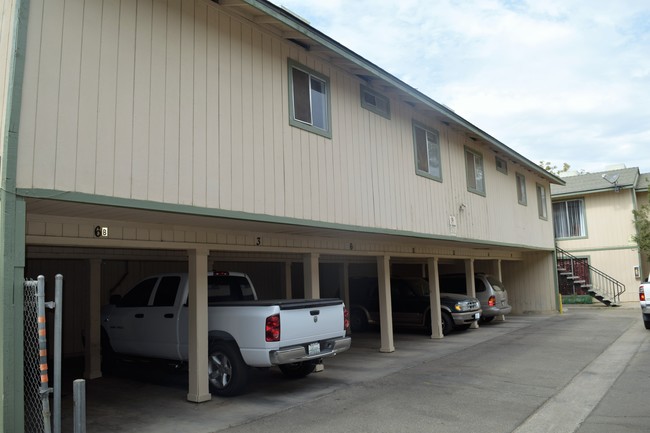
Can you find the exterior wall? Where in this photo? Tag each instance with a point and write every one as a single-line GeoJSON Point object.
{"type": "Point", "coordinates": [179, 103]}
{"type": "Point", "coordinates": [608, 244]}
{"type": "Point", "coordinates": [530, 283]}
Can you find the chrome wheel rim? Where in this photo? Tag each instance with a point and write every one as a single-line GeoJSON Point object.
{"type": "Point", "coordinates": [219, 370]}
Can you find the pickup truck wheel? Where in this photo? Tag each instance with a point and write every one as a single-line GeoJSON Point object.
{"type": "Point", "coordinates": [108, 359]}
{"type": "Point", "coordinates": [447, 323]}
{"type": "Point", "coordinates": [358, 320]}
{"type": "Point", "coordinates": [297, 370]}
{"type": "Point", "coordinates": [227, 372]}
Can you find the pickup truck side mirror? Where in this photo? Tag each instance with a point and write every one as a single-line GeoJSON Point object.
{"type": "Point", "coordinates": [114, 299]}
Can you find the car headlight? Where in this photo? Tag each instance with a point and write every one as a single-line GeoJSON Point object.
{"type": "Point", "coordinates": [462, 306]}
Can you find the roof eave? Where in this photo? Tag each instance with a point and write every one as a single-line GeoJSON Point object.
{"type": "Point", "coordinates": [298, 25]}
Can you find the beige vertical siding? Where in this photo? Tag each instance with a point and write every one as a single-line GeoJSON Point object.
{"type": "Point", "coordinates": [530, 283]}
{"type": "Point", "coordinates": [608, 244]}
{"type": "Point", "coordinates": [177, 102]}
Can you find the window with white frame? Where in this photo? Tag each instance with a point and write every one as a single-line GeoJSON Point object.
{"type": "Point", "coordinates": [521, 189]}
{"type": "Point", "coordinates": [569, 219]}
{"type": "Point", "coordinates": [310, 100]}
{"type": "Point", "coordinates": [474, 171]}
{"type": "Point", "coordinates": [541, 202]}
{"type": "Point", "coordinates": [427, 152]}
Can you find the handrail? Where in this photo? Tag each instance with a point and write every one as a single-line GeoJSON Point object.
{"type": "Point", "coordinates": [601, 283]}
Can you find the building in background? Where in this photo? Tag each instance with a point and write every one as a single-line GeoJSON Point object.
{"type": "Point", "coordinates": [593, 221]}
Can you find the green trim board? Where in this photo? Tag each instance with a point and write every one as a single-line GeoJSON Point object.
{"type": "Point", "coordinates": [78, 197]}
{"type": "Point", "coordinates": [12, 234]}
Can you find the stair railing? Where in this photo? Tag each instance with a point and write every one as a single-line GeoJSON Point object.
{"type": "Point", "coordinates": [601, 283]}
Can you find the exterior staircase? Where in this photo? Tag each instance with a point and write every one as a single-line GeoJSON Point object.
{"type": "Point", "coordinates": [577, 277]}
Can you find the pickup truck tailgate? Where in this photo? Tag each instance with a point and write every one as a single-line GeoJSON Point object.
{"type": "Point", "coordinates": [302, 321]}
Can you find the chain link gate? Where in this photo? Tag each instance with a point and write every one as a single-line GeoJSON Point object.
{"type": "Point", "coordinates": [38, 417]}
{"type": "Point", "coordinates": [34, 416]}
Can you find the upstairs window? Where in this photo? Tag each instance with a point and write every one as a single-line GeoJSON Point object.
{"type": "Point", "coordinates": [569, 219]}
{"type": "Point", "coordinates": [375, 102]}
{"type": "Point", "coordinates": [310, 100]}
{"type": "Point", "coordinates": [474, 171]}
{"type": "Point", "coordinates": [502, 165]}
{"type": "Point", "coordinates": [427, 152]}
{"type": "Point", "coordinates": [521, 190]}
{"type": "Point", "coordinates": [541, 202]}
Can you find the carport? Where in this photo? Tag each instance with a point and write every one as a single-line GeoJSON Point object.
{"type": "Point", "coordinates": [76, 239]}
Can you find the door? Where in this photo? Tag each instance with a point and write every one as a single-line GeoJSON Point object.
{"type": "Point", "coordinates": [158, 331]}
{"type": "Point", "coordinates": [127, 317]}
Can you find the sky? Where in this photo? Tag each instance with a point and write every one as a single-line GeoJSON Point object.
{"type": "Point", "coordinates": [563, 81]}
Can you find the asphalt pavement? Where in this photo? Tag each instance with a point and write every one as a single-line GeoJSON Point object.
{"type": "Point", "coordinates": [581, 371]}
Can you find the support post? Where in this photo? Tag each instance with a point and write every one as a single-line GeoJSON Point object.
{"type": "Point", "coordinates": [312, 278]}
{"type": "Point", "coordinates": [471, 284]}
{"type": "Point", "coordinates": [345, 284]}
{"type": "Point", "coordinates": [499, 275]}
{"type": "Point", "coordinates": [434, 298]}
{"type": "Point", "coordinates": [288, 288]}
{"type": "Point", "coordinates": [58, 345]}
{"type": "Point", "coordinates": [385, 306]}
{"type": "Point", "coordinates": [93, 366]}
{"type": "Point", "coordinates": [79, 410]}
{"type": "Point", "coordinates": [199, 390]}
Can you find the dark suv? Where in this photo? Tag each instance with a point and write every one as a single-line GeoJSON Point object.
{"type": "Point", "coordinates": [410, 305]}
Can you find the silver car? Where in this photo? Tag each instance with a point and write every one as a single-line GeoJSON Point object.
{"type": "Point", "coordinates": [489, 290]}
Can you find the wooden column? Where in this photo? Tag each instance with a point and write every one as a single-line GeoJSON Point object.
{"type": "Point", "coordinates": [93, 364]}
{"type": "Point", "coordinates": [288, 288]}
{"type": "Point", "coordinates": [434, 298]}
{"type": "Point", "coordinates": [385, 306]}
{"type": "Point", "coordinates": [199, 390]}
{"type": "Point", "coordinates": [312, 280]}
{"type": "Point", "coordinates": [471, 285]}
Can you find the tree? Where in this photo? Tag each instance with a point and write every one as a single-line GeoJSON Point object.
{"type": "Point", "coordinates": [642, 224]}
{"type": "Point", "coordinates": [548, 166]}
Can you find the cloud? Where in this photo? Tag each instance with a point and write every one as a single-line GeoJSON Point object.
{"type": "Point", "coordinates": [558, 80]}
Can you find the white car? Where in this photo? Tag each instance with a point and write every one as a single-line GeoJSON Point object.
{"type": "Point", "coordinates": [645, 305]}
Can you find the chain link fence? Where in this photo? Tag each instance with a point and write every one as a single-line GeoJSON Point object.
{"type": "Point", "coordinates": [34, 421]}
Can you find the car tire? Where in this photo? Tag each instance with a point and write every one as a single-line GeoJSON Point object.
{"type": "Point", "coordinates": [647, 324]}
{"type": "Point", "coordinates": [108, 355]}
{"type": "Point", "coordinates": [447, 323]}
{"type": "Point", "coordinates": [358, 320]}
{"type": "Point", "coordinates": [227, 372]}
{"type": "Point", "coordinates": [484, 319]}
{"type": "Point", "coordinates": [297, 370]}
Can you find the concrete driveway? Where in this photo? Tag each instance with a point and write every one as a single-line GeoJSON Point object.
{"type": "Point", "coordinates": [579, 371]}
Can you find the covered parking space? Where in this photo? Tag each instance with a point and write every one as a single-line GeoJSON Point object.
{"type": "Point", "coordinates": [103, 250]}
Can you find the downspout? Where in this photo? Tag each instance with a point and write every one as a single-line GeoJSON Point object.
{"type": "Point", "coordinates": [635, 204]}
{"type": "Point", "coordinates": [12, 232]}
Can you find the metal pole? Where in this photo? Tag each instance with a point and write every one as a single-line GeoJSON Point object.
{"type": "Point", "coordinates": [58, 326]}
{"type": "Point", "coordinates": [42, 349]}
{"type": "Point", "coordinates": [79, 394]}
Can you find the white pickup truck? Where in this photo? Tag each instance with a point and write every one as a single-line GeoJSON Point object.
{"type": "Point", "coordinates": [151, 320]}
{"type": "Point", "coordinates": [644, 290]}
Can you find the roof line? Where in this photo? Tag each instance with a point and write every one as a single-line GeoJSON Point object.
{"type": "Point", "coordinates": [306, 29]}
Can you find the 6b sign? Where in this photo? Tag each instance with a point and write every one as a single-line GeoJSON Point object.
{"type": "Point", "coordinates": [101, 232]}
